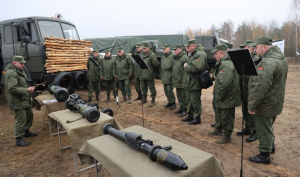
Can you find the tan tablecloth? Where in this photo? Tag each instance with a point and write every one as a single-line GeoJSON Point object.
{"type": "Point", "coordinates": [82, 130]}
{"type": "Point", "coordinates": [122, 160]}
{"type": "Point", "coordinates": [49, 107]}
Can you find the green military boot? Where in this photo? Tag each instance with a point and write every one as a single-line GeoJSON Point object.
{"type": "Point", "coordinates": [216, 131]}
{"type": "Point", "coordinates": [144, 100]}
{"type": "Point", "coordinates": [139, 97]}
{"type": "Point", "coordinates": [129, 100]}
{"type": "Point", "coordinates": [152, 102]}
{"type": "Point", "coordinates": [224, 139]}
{"type": "Point", "coordinates": [108, 98]}
{"type": "Point", "coordinates": [124, 99]}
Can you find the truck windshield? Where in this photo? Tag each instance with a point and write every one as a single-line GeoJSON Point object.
{"type": "Point", "coordinates": [70, 31]}
{"type": "Point", "coordinates": [49, 28]}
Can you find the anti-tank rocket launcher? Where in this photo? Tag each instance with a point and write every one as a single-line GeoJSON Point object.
{"type": "Point", "coordinates": [60, 93]}
{"type": "Point", "coordinates": [155, 152]}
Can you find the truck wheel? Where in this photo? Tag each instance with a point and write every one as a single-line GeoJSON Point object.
{"type": "Point", "coordinates": [79, 80]}
{"type": "Point", "coordinates": [64, 79]}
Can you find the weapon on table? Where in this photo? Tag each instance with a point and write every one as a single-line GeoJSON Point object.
{"type": "Point", "coordinates": [60, 93]}
{"type": "Point", "coordinates": [155, 152]}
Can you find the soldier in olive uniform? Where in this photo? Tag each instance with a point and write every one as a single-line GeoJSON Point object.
{"type": "Point", "coordinates": [195, 65]}
{"type": "Point", "coordinates": [18, 98]}
{"type": "Point", "coordinates": [124, 70]}
{"type": "Point", "coordinates": [226, 94]}
{"type": "Point", "coordinates": [137, 71]}
{"type": "Point", "coordinates": [266, 95]}
{"type": "Point", "coordinates": [166, 76]}
{"type": "Point", "coordinates": [109, 67]}
{"type": "Point", "coordinates": [94, 75]}
{"type": "Point", "coordinates": [147, 75]}
{"type": "Point", "coordinates": [249, 119]}
{"type": "Point", "coordinates": [179, 59]}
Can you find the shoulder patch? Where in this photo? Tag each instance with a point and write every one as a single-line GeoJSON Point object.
{"type": "Point", "coordinates": [197, 60]}
{"type": "Point", "coordinates": [260, 68]}
{"type": "Point", "coordinates": [221, 71]}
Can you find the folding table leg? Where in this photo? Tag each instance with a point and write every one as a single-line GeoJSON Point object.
{"type": "Point", "coordinates": [59, 141]}
{"type": "Point", "coordinates": [95, 165]}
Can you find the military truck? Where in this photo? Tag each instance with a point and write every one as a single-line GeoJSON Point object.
{"type": "Point", "coordinates": [209, 42]}
{"type": "Point", "coordinates": [32, 31]}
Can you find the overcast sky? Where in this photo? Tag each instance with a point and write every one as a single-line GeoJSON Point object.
{"type": "Point", "coordinates": [108, 18]}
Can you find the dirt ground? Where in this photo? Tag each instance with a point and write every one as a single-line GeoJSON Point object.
{"type": "Point", "coordinates": [43, 158]}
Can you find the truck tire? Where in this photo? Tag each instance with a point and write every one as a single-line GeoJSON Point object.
{"type": "Point", "coordinates": [64, 79]}
{"type": "Point", "coordinates": [79, 80]}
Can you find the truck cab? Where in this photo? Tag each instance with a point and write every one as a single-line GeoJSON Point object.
{"type": "Point", "coordinates": [30, 32]}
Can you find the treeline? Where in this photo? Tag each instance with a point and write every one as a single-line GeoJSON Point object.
{"type": "Point", "coordinates": [252, 30]}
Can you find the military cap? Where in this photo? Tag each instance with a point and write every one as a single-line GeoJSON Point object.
{"type": "Point", "coordinates": [19, 58]}
{"type": "Point", "coordinates": [178, 46]}
{"type": "Point", "coordinates": [120, 49]}
{"type": "Point", "coordinates": [263, 41]}
{"type": "Point", "coordinates": [186, 45]}
{"type": "Point", "coordinates": [145, 45]}
{"type": "Point", "coordinates": [95, 50]}
{"type": "Point", "coordinates": [192, 41]}
{"type": "Point", "coordinates": [228, 45]}
{"type": "Point", "coordinates": [222, 47]}
{"type": "Point", "coordinates": [139, 44]}
{"type": "Point", "coordinates": [166, 46]}
{"type": "Point", "coordinates": [246, 43]}
{"type": "Point", "coordinates": [106, 51]}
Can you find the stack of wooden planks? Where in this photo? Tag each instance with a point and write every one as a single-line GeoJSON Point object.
{"type": "Point", "coordinates": [66, 54]}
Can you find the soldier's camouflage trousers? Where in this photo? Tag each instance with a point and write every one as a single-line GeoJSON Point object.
{"type": "Point", "coordinates": [195, 102]}
{"type": "Point", "coordinates": [182, 97]}
{"type": "Point", "coordinates": [248, 118]}
{"type": "Point", "coordinates": [218, 113]}
{"type": "Point", "coordinates": [227, 119]}
{"type": "Point", "coordinates": [148, 84]}
{"type": "Point", "coordinates": [24, 119]}
{"type": "Point", "coordinates": [168, 88]}
{"type": "Point", "coordinates": [265, 133]}
{"type": "Point", "coordinates": [125, 87]}
{"type": "Point", "coordinates": [110, 85]}
{"type": "Point", "coordinates": [92, 86]}
{"type": "Point", "coordinates": [137, 84]}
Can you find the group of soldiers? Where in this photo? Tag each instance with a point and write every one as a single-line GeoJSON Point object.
{"type": "Point", "coordinates": [261, 96]}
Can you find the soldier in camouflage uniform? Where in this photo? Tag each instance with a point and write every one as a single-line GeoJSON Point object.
{"type": "Point", "coordinates": [18, 98]}
{"type": "Point", "coordinates": [148, 75]}
{"type": "Point", "coordinates": [109, 67]}
{"type": "Point", "coordinates": [229, 45]}
{"type": "Point", "coordinates": [124, 71]}
{"type": "Point", "coordinates": [195, 65]}
{"type": "Point", "coordinates": [94, 75]}
{"type": "Point", "coordinates": [137, 71]}
{"type": "Point", "coordinates": [249, 119]}
{"type": "Point", "coordinates": [226, 94]}
{"type": "Point", "coordinates": [179, 59]}
{"type": "Point", "coordinates": [166, 76]}
{"type": "Point", "coordinates": [266, 95]}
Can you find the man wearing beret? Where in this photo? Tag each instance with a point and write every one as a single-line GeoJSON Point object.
{"type": "Point", "coordinates": [196, 64]}
{"type": "Point", "coordinates": [166, 76]}
{"type": "Point", "coordinates": [266, 95]}
{"type": "Point", "coordinates": [179, 59]}
{"type": "Point", "coordinates": [109, 70]}
{"type": "Point", "coordinates": [226, 94]}
{"type": "Point", "coordinates": [148, 75]}
{"type": "Point", "coordinates": [137, 71]}
{"type": "Point", "coordinates": [123, 72]}
{"type": "Point", "coordinates": [18, 99]}
{"type": "Point", "coordinates": [249, 119]}
{"type": "Point", "coordinates": [94, 75]}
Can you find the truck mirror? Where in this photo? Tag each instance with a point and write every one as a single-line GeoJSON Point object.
{"type": "Point", "coordinates": [25, 28]}
{"type": "Point", "coordinates": [25, 39]}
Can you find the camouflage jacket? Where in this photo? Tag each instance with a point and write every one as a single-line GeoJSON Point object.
{"type": "Point", "coordinates": [109, 67]}
{"type": "Point", "coordinates": [267, 90]}
{"type": "Point", "coordinates": [136, 68]}
{"type": "Point", "coordinates": [178, 69]}
{"type": "Point", "coordinates": [151, 60]}
{"type": "Point", "coordinates": [226, 89]}
{"type": "Point", "coordinates": [197, 64]}
{"type": "Point", "coordinates": [94, 72]}
{"type": "Point", "coordinates": [16, 86]}
{"type": "Point", "coordinates": [124, 67]}
{"type": "Point", "coordinates": [166, 68]}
